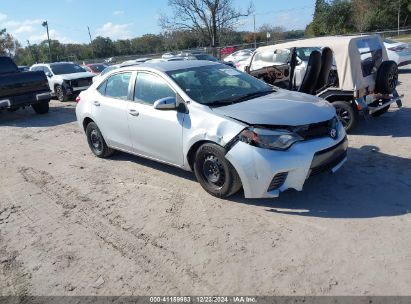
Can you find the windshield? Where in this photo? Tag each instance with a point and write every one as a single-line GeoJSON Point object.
{"type": "Point", "coordinates": [98, 67]}
{"type": "Point", "coordinates": [304, 52]}
{"type": "Point", "coordinates": [218, 84]}
{"type": "Point", "coordinates": [66, 68]}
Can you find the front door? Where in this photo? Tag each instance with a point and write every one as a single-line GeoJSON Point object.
{"type": "Point", "coordinates": [155, 133]}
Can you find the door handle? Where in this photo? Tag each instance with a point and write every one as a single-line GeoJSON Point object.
{"type": "Point", "coordinates": [96, 103]}
{"type": "Point", "coordinates": [133, 112]}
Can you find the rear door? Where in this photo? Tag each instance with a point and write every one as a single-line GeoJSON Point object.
{"type": "Point", "coordinates": [155, 133]}
{"type": "Point", "coordinates": [110, 110]}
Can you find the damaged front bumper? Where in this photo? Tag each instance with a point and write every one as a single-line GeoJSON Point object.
{"type": "Point", "coordinates": [265, 173]}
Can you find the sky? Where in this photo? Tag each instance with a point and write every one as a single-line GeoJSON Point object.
{"type": "Point", "coordinates": [120, 19]}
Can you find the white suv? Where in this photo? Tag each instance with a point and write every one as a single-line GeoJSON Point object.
{"type": "Point", "coordinates": [66, 79]}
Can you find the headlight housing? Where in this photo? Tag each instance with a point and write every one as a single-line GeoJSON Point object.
{"type": "Point", "coordinates": [269, 139]}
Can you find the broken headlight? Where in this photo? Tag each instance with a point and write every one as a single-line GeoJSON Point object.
{"type": "Point", "coordinates": [269, 139]}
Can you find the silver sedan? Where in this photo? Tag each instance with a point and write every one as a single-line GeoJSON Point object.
{"type": "Point", "coordinates": [233, 130]}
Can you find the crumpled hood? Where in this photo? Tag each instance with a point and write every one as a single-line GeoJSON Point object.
{"type": "Point", "coordinates": [283, 108]}
{"type": "Point", "coordinates": [76, 75]}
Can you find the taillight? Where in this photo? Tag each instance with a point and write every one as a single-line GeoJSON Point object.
{"type": "Point", "coordinates": [78, 99]}
{"type": "Point", "coordinates": [397, 48]}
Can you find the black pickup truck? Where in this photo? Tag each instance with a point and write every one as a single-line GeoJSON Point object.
{"type": "Point", "coordinates": [21, 89]}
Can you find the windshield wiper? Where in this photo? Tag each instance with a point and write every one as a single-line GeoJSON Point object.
{"type": "Point", "coordinates": [252, 95]}
{"type": "Point", "coordinates": [224, 102]}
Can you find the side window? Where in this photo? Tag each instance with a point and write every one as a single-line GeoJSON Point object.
{"type": "Point", "coordinates": [150, 88]}
{"type": "Point", "coordinates": [102, 88]}
{"type": "Point", "coordinates": [46, 70]}
{"type": "Point", "coordinates": [117, 86]}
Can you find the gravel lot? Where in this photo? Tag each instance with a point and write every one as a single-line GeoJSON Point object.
{"type": "Point", "coordinates": [73, 224]}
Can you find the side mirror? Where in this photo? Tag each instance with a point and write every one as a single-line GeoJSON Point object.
{"type": "Point", "coordinates": [49, 75]}
{"type": "Point", "coordinates": [168, 103]}
{"type": "Point", "coordinates": [247, 69]}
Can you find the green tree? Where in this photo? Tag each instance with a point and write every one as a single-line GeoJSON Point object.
{"type": "Point", "coordinates": [338, 18]}
{"type": "Point", "coordinates": [103, 47]}
{"type": "Point", "coordinates": [318, 25]}
{"type": "Point", "coordinates": [8, 44]}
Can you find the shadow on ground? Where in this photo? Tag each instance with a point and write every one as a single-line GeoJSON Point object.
{"type": "Point", "coordinates": [371, 184]}
{"type": "Point", "coordinates": [27, 118]}
{"type": "Point", "coordinates": [350, 193]}
{"type": "Point", "coordinates": [395, 123]}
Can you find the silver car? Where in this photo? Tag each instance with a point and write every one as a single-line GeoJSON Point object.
{"type": "Point", "coordinates": [233, 130]}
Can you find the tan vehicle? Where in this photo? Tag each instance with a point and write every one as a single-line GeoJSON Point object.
{"type": "Point", "coordinates": [366, 80]}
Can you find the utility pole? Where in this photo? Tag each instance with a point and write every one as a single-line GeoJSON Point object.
{"type": "Point", "coordinates": [91, 42]}
{"type": "Point", "coordinates": [46, 25]}
{"type": "Point", "coordinates": [398, 18]}
{"type": "Point", "coordinates": [31, 53]}
{"type": "Point", "coordinates": [255, 35]}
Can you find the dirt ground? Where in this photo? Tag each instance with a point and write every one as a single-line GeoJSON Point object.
{"type": "Point", "coordinates": [73, 224]}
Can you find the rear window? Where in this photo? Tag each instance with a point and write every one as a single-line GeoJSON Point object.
{"type": "Point", "coordinates": [98, 67]}
{"type": "Point", "coordinates": [7, 66]}
{"type": "Point", "coordinates": [116, 86]}
{"type": "Point", "coordinates": [371, 55]}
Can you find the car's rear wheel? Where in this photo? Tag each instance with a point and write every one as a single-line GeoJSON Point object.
{"type": "Point", "coordinates": [215, 174]}
{"type": "Point", "coordinates": [41, 108]}
{"type": "Point", "coordinates": [347, 114]}
{"type": "Point", "coordinates": [61, 93]}
{"type": "Point", "coordinates": [96, 141]}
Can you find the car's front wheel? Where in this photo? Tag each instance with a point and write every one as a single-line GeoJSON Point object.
{"type": "Point", "coordinates": [347, 114]}
{"type": "Point", "coordinates": [215, 174]}
{"type": "Point", "coordinates": [96, 141]}
{"type": "Point", "coordinates": [61, 93]}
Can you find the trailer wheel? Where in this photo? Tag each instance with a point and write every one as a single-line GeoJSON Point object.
{"type": "Point", "coordinates": [347, 114]}
{"type": "Point", "coordinates": [387, 77]}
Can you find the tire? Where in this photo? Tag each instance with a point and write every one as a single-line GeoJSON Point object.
{"type": "Point", "coordinates": [347, 114]}
{"type": "Point", "coordinates": [61, 93]}
{"type": "Point", "coordinates": [387, 77]}
{"type": "Point", "coordinates": [96, 141]}
{"type": "Point", "coordinates": [41, 108]}
{"type": "Point", "coordinates": [214, 172]}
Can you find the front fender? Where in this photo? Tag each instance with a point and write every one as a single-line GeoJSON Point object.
{"type": "Point", "coordinates": [199, 126]}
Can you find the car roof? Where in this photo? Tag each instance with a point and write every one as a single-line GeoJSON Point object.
{"type": "Point", "coordinates": [54, 63]}
{"type": "Point", "coordinates": [167, 66]}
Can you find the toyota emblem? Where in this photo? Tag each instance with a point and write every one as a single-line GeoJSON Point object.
{"type": "Point", "coordinates": [333, 133]}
